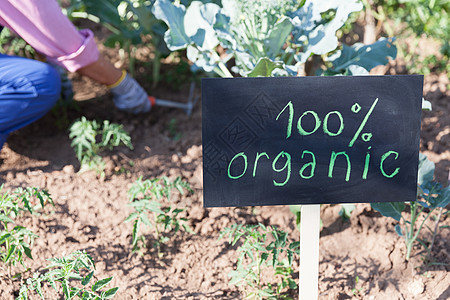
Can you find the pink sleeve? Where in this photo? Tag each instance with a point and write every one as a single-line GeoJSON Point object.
{"type": "Point", "coordinates": [42, 24]}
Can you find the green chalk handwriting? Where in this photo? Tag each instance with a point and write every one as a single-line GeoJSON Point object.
{"type": "Point", "coordinates": [311, 164]}
{"type": "Point", "coordinates": [341, 123]}
{"type": "Point", "coordinates": [383, 158]}
{"type": "Point", "coordinates": [291, 117]}
{"type": "Point", "coordinates": [316, 119]}
{"type": "Point", "coordinates": [363, 123]}
{"type": "Point", "coordinates": [258, 155]}
{"type": "Point", "coordinates": [231, 162]}
{"type": "Point", "coordinates": [366, 164]}
{"type": "Point", "coordinates": [286, 165]}
{"type": "Point", "coordinates": [334, 155]}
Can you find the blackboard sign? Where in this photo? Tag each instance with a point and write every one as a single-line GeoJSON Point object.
{"type": "Point", "coordinates": [310, 140]}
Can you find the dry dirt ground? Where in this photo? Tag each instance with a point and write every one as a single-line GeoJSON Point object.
{"type": "Point", "coordinates": [89, 212]}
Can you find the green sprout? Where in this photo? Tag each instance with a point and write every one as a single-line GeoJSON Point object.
{"type": "Point", "coordinates": [262, 248]}
{"type": "Point", "coordinates": [66, 271]}
{"type": "Point", "coordinates": [16, 240]}
{"type": "Point", "coordinates": [90, 138]}
{"type": "Point", "coordinates": [164, 219]}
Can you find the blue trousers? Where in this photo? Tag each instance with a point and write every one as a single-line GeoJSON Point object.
{"type": "Point", "coordinates": [28, 90]}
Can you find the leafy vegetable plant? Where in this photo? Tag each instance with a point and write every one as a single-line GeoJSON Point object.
{"type": "Point", "coordinates": [267, 38]}
{"type": "Point", "coordinates": [16, 240]}
{"type": "Point", "coordinates": [163, 218]}
{"type": "Point", "coordinates": [76, 267]}
{"type": "Point", "coordinates": [90, 138]}
{"type": "Point", "coordinates": [431, 196]}
{"type": "Point", "coordinates": [262, 248]}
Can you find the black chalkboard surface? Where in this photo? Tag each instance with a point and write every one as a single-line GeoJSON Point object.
{"type": "Point", "coordinates": [310, 140]}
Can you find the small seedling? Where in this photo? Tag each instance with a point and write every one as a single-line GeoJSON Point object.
{"type": "Point", "coordinates": [173, 130]}
{"type": "Point", "coordinates": [16, 240]}
{"type": "Point", "coordinates": [356, 291]}
{"type": "Point", "coordinates": [90, 138]}
{"type": "Point", "coordinates": [77, 267]}
{"type": "Point", "coordinates": [164, 219]}
{"type": "Point", "coordinates": [346, 211]}
{"type": "Point", "coordinates": [260, 252]}
{"type": "Point", "coordinates": [431, 196]}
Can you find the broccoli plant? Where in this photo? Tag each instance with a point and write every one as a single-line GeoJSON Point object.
{"type": "Point", "coordinates": [89, 138]}
{"type": "Point", "coordinates": [164, 219]}
{"type": "Point", "coordinates": [65, 272]}
{"type": "Point", "coordinates": [262, 248]}
{"type": "Point", "coordinates": [267, 38]}
{"type": "Point", "coordinates": [16, 240]}
{"type": "Point", "coordinates": [431, 196]}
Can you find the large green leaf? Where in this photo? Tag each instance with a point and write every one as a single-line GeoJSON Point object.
{"type": "Point", "coordinates": [198, 22]}
{"type": "Point", "coordinates": [173, 15]}
{"type": "Point", "coordinates": [277, 37]}
{"type": "Point", "coordinates": [366, 56]}
{"type": "Point", "coordinates": [264, 67]}
{"type": "Point", "coordinates": [201, 59]}
{"type": "Point", "coordinates": [390, 209]}
{"type": "Point", "coordinates": [426, 170]}
{"type": "Point", "coordinates": [313, 33]}
{"type": "Point", "coordinates": [444, 198]}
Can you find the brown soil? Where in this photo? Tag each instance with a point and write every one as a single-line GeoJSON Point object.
{"type": "Point", "coordinates": [89, 212]}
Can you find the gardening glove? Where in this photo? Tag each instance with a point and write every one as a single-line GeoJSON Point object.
{"type": "Point", "coordinates": [128, 95]}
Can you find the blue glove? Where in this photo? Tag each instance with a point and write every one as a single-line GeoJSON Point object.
{"type": "Point", "coordinates": [128, 95]}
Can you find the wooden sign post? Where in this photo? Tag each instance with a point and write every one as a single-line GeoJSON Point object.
{"type": "Point", "coordinates": [309, 252]}
{"type": "Point", "coordinates": [310, 140]}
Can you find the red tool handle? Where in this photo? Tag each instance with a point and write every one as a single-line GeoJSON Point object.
{"type": "Point", "coordinates": [152, 100]}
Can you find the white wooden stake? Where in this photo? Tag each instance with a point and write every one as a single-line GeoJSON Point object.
{"type": "Point", "coordinates": [309, 252]}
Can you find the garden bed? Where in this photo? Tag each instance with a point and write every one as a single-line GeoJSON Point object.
{"type": "Point", "coordinates": [90, 211]}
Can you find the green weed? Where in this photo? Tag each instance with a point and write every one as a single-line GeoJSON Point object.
{"type": "Point", "coordinates": [431, 195]}
{"type": "Point", "coordinates": [356, 291]}
{"type": "Point", "coordinates": [163, 219]}
{"type": "Point", "coordinates": [90, 138]}
{"type": "Point", "coordinates": [63, 273]}
{"type": "Point", "coordinates": [262, 248]}
{"type": "Point", "coordinates": [16, 240]}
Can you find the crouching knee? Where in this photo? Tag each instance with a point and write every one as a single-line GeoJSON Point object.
{"type": "Point", "coordinates": [47, 83]}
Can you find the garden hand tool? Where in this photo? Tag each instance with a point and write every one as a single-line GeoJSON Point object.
{"type": "Point", "coordinates": [187, 107]}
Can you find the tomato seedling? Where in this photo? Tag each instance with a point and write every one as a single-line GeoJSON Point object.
{"type": "Point", "coordinates": [90, 138]}
{"type": "Point", "coordinates": [164, 219]}
{"type": "Point", "coordinates": [262, 248]}
{"type": "Point", "coordinates": [66, 271]}
{"type": "Point", "coordinates": [16, 240]}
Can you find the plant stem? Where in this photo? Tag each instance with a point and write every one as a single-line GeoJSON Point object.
{"type": "Point", "coordinates": [224, 69]}
{"type": "Point", "coordinates": [131, 58]}
{"type": "Point", "coordinates": [436, 228]}
{"type": "Point", "coordinates": [158, 249]}
{"type": "Point", "coordinates": [156, 68]}
{"type": "Point", "coordinates": [410, 233]}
